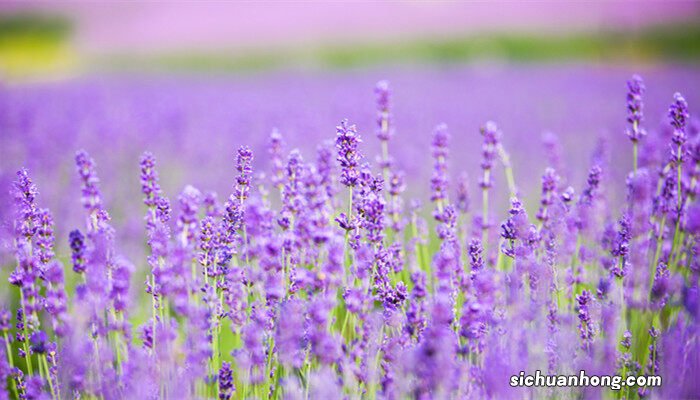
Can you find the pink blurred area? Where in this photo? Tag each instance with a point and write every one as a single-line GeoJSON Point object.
{"type": "Point", "coordinates": [144, 27]}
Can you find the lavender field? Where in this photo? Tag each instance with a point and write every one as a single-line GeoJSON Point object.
{"type": "Point", "coordinates": [331, 234]}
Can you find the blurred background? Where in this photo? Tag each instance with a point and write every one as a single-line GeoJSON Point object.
{"type": "Point", "coordinates": [50, 38]}
{"type": "Point", "coordinates": [192, 81]}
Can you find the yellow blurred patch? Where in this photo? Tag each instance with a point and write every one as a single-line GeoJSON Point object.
{"type": "Point", "coordinates": [26, 56]}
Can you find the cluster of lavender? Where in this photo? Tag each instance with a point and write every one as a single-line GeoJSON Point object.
{"type": "Point", "coordinates": [317, 281]}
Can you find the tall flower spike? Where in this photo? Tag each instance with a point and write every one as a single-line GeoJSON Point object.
{"type": "Point", "coordinates": [45, 238]}
{"type": "Point", "coordinates": [189, 200]}
{"type": "Point", "coordinates": [77, 247]}
{"type": "Point", "coordinates": [678, 115]}
{"type": "Point", "coordinates": [463, 200]}
{"type": "Point", "coordinates": [385, 129]}
{"type": "Point", "coordinates": [347, 142]}
{"type": "Point", "coordinates": [226, 387]}
{"type": "Point", "coordinates": [678, 112]}
{"type": "Point", "coordinates": [439, 180]}
{"type": "Point", "coordinates": [274, 149]}
{"type": "Point", "coordinates": [397, 186]}
{"type": "Point", "coordinates": [158, 205]}
{"type": "Point", "coordinates": [550, 180]}
{"type": "Point", "coordinates": [476, 261]}
{"type": "Point", "coordinates": [489, 153]}
{"type": "Point", "coordinates": [635, 108]}
{"type": "Point", "coordinates": [245, 170]}
{"type": "Point", "coordinates": [25, 202]}
{"type": "Point", "coordinates": [585, 323]}
{"type": "Point", "coordinates": [383, 94]}
{"type": "Point", "coordinates": [91, 197]}
{"type": "Point", "coordinates": [592, 184]}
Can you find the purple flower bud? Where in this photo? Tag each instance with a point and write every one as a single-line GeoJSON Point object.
{"type": "Point", "coordinates": [274, 149]}
{"type": "Point", "coordinates": [158, 205]}
{"type": "Point", "coordinates": [592, 184]}
{"type": "Point", "coordinates": [635, 107]}
{"type": "Point", "coordinates": [45, 238]}
{"type": "Point", "coordinates": [585, 326]}
{"type": "Point", "coordinates": [475, 250]}
{"type": "Point", "coordinates": [439, 180]}
{"type": "Point", "coordinates": [660, 287]}
{"type": "Point", "coordinates": [91, 196]}
{"type": "Point", "coordinates": [291, 336]}
{"type": "Point", "coordinates": [38, 342]}
{"type": "Point", "coordinates": [25, 197]}
{"type": "Point", "coordinates": [550, 180]}
{"type": "Point", "coordinates": [189, 200]}
{"type": "Point", "coordinates": [244, 159]}
{"type": "Point", "coordinates": [489, 151]}
{"type": "Point", "coordinates": [384, 117]}
{"type": "Point", "coordinates": [226, 387]}
{"type": "Point", "coordinates": [463, 200]}
{"type": "Point", "coordinates": [347, 142]}
{"type": "Point", "coordinates": [678, 113]}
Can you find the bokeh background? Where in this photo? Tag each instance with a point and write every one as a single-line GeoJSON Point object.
{"type": "Point", "coordinates": [192, 81]}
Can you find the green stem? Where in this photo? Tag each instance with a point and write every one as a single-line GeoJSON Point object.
{"type": "Point", "coordinates": [485, 210]}
{"type": "Point", "coordinates": [42, 360]}
{"type": "Point", "coordinates": [10, 359]}
{"type": "Point", "coordinates": [25, 330]}
{"type": "Point", "coordinates": [657, 253]}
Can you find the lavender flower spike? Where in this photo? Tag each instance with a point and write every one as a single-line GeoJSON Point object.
{"type": "Point", "coordinates": [245, 171]}
{"type": "Point", "coordinates": [489, 152]}
{"type": "Point", "coordinates": [635, 108]}
{"type": "Point", "coordinates": [679, 116]}
{"type": "Point", "coordinates": [25, 199]}
{"type": "Point", "coordinates": [91, 197]}
{"type": "Point", "coordinates": [384, 128]}
{"type": "Point", "coordinates": [439, 180]}
{"type": "Point", "coordinates": [274, 150]}
{"type": "Point", "coordinates": [346, 142]}
{"type": "Point", "coordinates": [158, 205]}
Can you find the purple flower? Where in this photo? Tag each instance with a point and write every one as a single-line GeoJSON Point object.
{"type": "Point", "coordinates": [371, 211]}
{"type": "Point", "coordinates": [383, 95]}
{"type": "Point", "coordinates": [187, 224]}
{"type": "Point", "coordinates": [463, 200]}
{"type": "Point", "coordinates": [244, 159]}
{"type": "Point", "coordinates": [586, 328]}
{"type": "Point", "coordinates": [440, 151]}
{"type": "Point", "coordinates": [550, 180]}
{"type": "Point", "coordinates": [635, 108]}
{"type": "Point", "coordinates": [274, 149]}
{"type": "Point", "coordinates": [291, 334]}
{"type": "Point", "coordinates": [158, 205]}
{"type": "Point", "coordinates": [660, 287]}
{"type": "Point", "coordinates": [347, 142]}
{"type": "Point", "coordinates": [44, 236]}
{"type": "Point", "coordinates": [621, 244]}
{"type": "Point", "coordinates": [25, 203]}
{"type": "Point", "coordinates": [476, 262]}
{"type": "Point", "coordinates": [226, 387]}
{"type": "Point", "coordinates": [678, 113]}
{"type": "Point", "coordinates": [38, 342]}
{"type": "Point", "coordinates": [91, 196]}
{"type": "Point", "coordinates": [77, 246]}
{"type": "Point", "coordinates": [489, 152]}
{"type": "Point", "coordinates": [121, 275]}
{"type": "Point", "coordinates": [55, 302]}
{"type": "Point", "coordinates": [516, 227]}
{"type": "Point", "coordinates": [592, 184]}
